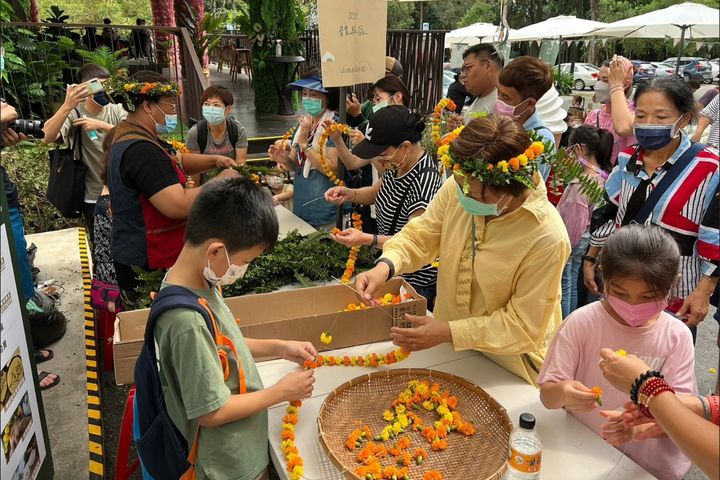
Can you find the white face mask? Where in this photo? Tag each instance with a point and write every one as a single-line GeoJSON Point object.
{"type": "Point", "coordinates": [231, 275]}
{"type": "Point", "coordinates": [275, 182]}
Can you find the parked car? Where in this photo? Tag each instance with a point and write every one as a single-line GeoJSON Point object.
{"type": "Point", "coordinates": [448, 79]}
{"type": "Point", "coordinates": [715, 66]}
{"type": "Point", "coordinates": [663, 69]}
{"type": "Point", "coordinates": [696, 68]}
{"type": "Point", "coordinates": [643, 70]}
{"type": "Point", "coordinates": [584, 74]}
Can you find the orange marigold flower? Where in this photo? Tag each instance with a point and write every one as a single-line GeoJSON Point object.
{"type": "Point", "coordinates": [514, 163]}
{"type": "Point", "coordinates": [404, 443]}
{"type": "Point", "coordinates": [432, 475]}
{"type": "Point", "coordinates": [439, 445]}
{"type": "Point", "coordinates": [287, 435]}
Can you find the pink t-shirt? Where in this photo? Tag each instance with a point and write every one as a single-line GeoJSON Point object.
{"type": "Point", "coordinates": [665, 346]}
{"type": "Point", "coordinates": [601, 119]}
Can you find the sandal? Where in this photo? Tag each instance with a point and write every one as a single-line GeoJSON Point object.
{"type": "Point", "coordinates": [40, 358]}
{"type": "Point", "coordinates": [43, 375]}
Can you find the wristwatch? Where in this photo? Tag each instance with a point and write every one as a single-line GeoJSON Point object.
{"type": "Point", "coordinates": [588, 258]}
{"type": "Point", "coordinates": [390, 265]}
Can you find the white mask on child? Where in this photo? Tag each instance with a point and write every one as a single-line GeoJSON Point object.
{"type": "Point", "coordinates": [231, 275]}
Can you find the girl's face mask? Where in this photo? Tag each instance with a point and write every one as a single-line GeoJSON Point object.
{"type": "Point", "coordinates": [636, 315]}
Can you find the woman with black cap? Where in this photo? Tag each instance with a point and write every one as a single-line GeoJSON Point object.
{"type": "Point", "coordinates": [302, 157]}
{"type": "Point", "coordinates": [408, 184]}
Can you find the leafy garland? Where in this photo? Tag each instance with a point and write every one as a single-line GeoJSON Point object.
{"type": "Point", "coordinates": [567, 169]}
{"type": "Point", "coordinates": [122, 89]}
{"type": "Point", "coordinates": [295, 259]}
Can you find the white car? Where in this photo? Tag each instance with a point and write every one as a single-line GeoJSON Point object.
{"type": "Point", "coordinates": [663, 69]}
{"type": "Point", "coordinates": [584, 75]}
{"type": "Point", "coordinates": [715, 65]}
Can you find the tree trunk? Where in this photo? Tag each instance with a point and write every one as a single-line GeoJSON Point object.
{"type": "Point", "coordinates": [34, 12]}
{"type": "Point", "coordinates": [594, 15]}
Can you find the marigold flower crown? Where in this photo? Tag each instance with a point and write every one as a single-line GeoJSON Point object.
{"type": "Point", "coordinates": [122, 89]}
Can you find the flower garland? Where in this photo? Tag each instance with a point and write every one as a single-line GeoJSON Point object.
{"type": "Point", "coordinates": [335, 127]}
{"type": "Point", "coordinates": [354, 251]}
{"type": "Point", "coordinates": [387, 299]}
{"type": "Point", "coordinates": [286, 142]}
{"type": "Point", "coordinates": [287, 445]}
{"type": "Point", "coordinates": [179, 146]}
{"type": "Point", "coordinates": [120, 86]}
{"type": "Point", "coordinates": [401, 418]}
{"type": "Point", "coordinates": [294, 462]}
{"type": "Point", "coordinates": [437, 118]}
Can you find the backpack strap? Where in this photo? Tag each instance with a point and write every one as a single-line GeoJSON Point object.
{"type": "Point", "coordinates": [673, 173]}
{"type": "Point", "coordinates": [202, 130]}
{"type": "Point", "coordinates": [233, 131]}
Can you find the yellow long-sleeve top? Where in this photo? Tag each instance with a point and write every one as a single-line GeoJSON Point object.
{"type": "Point", "coordinates": [503, 299]}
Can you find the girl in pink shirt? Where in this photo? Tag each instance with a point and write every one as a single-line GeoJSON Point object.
{"type": "Point", "coordinates": [640, 265]}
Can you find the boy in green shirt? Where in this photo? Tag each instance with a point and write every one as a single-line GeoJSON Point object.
{"type": "Point", "coordinates": [231, 222]}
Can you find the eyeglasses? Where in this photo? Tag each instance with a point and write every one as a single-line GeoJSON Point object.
{"type": "Point", "coordinates": [171, 104]}
{"type": "Point", "coordinates": [466, 68]}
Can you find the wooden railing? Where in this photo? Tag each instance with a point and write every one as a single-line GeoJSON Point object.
{"type": "Point", "coordinates": [421, 53]}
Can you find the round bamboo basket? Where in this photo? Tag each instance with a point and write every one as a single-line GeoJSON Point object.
{"type": "Point", "coordinates": [362, 400]}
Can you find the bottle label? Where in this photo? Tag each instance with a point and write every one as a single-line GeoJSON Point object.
{"type": "Point", "coordinates": [525, 463]}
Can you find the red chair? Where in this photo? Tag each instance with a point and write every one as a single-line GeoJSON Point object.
{"type": "Point", "coordinates": [123, 470]}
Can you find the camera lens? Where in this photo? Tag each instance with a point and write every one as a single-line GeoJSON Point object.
{"type": "Point", "coordinates": [30, 128]}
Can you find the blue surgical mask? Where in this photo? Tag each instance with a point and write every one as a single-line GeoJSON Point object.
{"type": "Point", "coordinates": [655, 137]}
{"type": "Point", "coordinates": [379, 105]}
{"type": "Point", "coordinates": [475, 207]}
{"type": "Point", "coordinates": [101, 99]}
{"type": "Point", "coordinates": [213, 115]}
{"type": "Point", "coordinates": [312, 106]}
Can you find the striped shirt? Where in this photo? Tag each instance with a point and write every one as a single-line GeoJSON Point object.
{"type": "Point", "coordinates": [686, 210]}
{"type": "Point", "coordinates": [401, 197]}
{"type": "Point", "coordinates": [712, 111]}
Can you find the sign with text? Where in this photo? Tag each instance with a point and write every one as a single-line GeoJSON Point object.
{"type": "Point", "coordinates": [352, 41]}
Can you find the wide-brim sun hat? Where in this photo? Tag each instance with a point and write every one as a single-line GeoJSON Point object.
{"type": "Point", "coordinates": [313, 82]}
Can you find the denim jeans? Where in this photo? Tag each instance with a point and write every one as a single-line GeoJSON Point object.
{"type": "Point", "coordinates": [26, 287]}
{"type": "Point", "coordinates": [570, 276]}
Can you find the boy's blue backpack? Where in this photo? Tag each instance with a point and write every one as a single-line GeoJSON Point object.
{"type": "Point", "coordinates": [161, 447]}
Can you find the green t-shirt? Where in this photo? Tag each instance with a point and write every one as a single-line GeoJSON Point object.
{"type": "Point", "coordinates": [193, 386]}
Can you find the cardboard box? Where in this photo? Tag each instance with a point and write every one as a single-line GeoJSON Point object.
{"type": "Point", "coordinates": [299, 314]}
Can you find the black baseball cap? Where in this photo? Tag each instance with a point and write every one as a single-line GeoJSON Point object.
{"type": "Point", "coordinates": [389, 127]}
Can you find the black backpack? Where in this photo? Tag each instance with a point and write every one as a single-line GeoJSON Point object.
{"type": "Point", "coordinates": [203, 130]}
{"type": "Point", "coordinates": [161, 447]}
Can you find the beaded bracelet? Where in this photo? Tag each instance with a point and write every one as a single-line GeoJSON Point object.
{"type": "Point", "coordinates": [706, 407]}
{"type": "Point", "coordinates": [639, 381]}
{"type": "Point", "coordinates": [650, 390]}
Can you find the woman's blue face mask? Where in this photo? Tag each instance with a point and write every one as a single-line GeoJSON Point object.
{"type": "Point", "coordinates": [476, 207]}
{"type": "Point", "coordinates": [656, 136]}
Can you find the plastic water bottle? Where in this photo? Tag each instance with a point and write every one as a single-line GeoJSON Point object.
{"type": "Point", "coordinates": [91, 133]}
{"type": "Point", "coordinates": [525, 451]}
{"type": "Point", "coordinates": [278, 48]}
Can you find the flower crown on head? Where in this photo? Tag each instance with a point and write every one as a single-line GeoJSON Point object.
{"type": "Point", "coordinates": [120, 87]}
{"type": "Point", "coordinates": [520, 168]}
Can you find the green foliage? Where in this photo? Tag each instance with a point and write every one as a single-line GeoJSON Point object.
{"type": "Point", "coordinates": [121, 12]}
{"type": "Point", "coordinates": [400, 15]}
{"type": "Point", "coordinates": [35, 67]}
{"type": "Point", "coordinates": [205, 34]}
{"type": "Point", "coordinates": [480, 12]}
{"type": "Point", "coordinates": [27, 166]}
{"type": "Point", "coordinates": [295, 259]}
{"type": "Point", "coordinates": [563, 81]}
{"type": "Point", "coordinates": [105, 57]}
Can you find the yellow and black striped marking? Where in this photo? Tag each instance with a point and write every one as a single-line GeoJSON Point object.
{"type": "Point", "coordinates": [95, 440]}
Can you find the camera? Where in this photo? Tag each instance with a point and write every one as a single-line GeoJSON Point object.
{"type": "Point", "coordinates": [30, 128]}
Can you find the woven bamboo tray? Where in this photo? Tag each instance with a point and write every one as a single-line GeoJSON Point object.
{"type": "Point", "coordinates": [362, 400]}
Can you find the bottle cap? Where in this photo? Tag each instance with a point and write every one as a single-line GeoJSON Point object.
{"type": "Point", "coordinates": [527, 421]}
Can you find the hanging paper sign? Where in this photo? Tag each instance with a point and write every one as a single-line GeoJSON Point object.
{"type": "Point", "coordinates": [353, 34]}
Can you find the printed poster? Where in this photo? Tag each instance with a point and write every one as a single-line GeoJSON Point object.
{"type": "Point", "coordinates": [353, 34]}
{"type": "Point", "coordinates": [23, 440]}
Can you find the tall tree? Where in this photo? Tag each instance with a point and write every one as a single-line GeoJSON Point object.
{"type": "Point", "coordinates": [594, 15]}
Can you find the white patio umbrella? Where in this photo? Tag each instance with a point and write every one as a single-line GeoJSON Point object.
{"type": "Point", "coordinates": [562, 26]}
{"type": "Point", "coordinates": [685, 20]}
{"type": "Point", "coordinates": [471, 34]}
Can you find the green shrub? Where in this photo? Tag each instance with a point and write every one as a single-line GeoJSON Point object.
{"type": "Point", "coordinates": [27, 166]}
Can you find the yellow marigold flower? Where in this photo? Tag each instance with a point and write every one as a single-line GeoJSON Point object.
{"type": "Point", "coordinates": [446, 160]}
{"type": "Point", "coordinates": [428, 405]}
{"type": "Point", "coordinates": [403, 420]}
{"type": "Point", "coordinates": [457, 131]}
{"type": "Point", "coordinates": [442, 409]}
{"type": "Point", "coordinates": [503, 165]}
{"type": "Point", "coordinates": [288, 426]}
{"type": "Point", "coordinates": [538, 147]}
{"type": "Point", "coordinates": [400, 408]}
{"type": "Point", "coordinates": [444, 150]}
{"type": "Point", "coordinates": [448, 417]}
{"type": "Point", "coordinates": [621, 352]}
{"type": "Point", "coordinates": [523, 159]}
{"type": "Point", "coordinates": [388, 416]}
{"type": "Point", "coordinates": [325, 338]}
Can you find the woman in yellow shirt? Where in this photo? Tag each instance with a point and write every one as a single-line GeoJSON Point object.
{"type": "Point", "coordinates": [502, 247]}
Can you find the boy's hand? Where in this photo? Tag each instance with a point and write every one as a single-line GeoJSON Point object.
{"type": "Point", "coordinates": [578, 397]}
{"type": "Point", "coordinates": [296, 385]}
{"type": "Point", "coordinates": [298, 352]}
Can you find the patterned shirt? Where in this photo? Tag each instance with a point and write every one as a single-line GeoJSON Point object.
{"type": "Point", "coordinates": [712, 111]}
{"type": "Point", "coordinates": [686, 210]}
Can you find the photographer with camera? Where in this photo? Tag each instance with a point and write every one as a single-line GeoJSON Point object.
{"type": "Point", "coordinates": [86, 107]}
{"type": "Point", "coordinates": [8, 138]}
